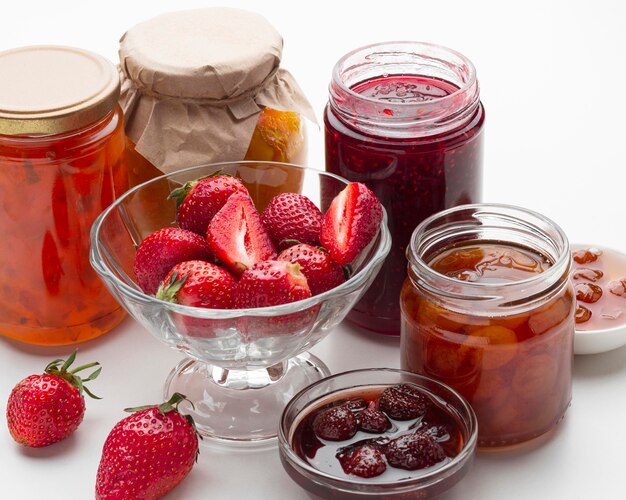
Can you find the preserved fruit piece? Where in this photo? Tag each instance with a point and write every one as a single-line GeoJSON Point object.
{"type": "Point", "coordinates": [618, 287]}
{"type": "Point", "coordinates": [582, 314]}
{"type": "Point", "coordinates": [601, 288]}
{"type": "Point", "coordinates": [278, 136]}
{"type": "Point", "coordinates": [588, 292]}
{"type": "Point", "coordinates": [586, 255]}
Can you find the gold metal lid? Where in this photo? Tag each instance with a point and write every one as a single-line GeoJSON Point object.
{"type": "Point", "coordinates": [52, 89]}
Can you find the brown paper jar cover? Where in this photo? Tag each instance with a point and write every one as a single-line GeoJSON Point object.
{"type": "Point", "coordinates": [194, 83]}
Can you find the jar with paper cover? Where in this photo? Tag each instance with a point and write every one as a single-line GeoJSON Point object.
{"type": "Point", "coordinates": [205, 86]}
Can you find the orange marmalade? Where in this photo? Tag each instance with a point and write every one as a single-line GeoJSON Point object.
{"type": "Point", "coordinates": [61, 164]}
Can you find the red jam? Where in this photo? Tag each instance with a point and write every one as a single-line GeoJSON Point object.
{"type": "Point", "coordinates": [413, 176]}
{"type": "Point", "coordinates": [514, 369]}
{"type": "Point", "coordinates": [378, 433]}
{"type": "Point", "coordinates": [599, 276]}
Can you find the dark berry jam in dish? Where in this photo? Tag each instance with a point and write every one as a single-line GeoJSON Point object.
{"type": "Point", "coordinates": [377, 433]}
{"type": "Point", "coordinates": [414, 138]}
{"type": "Point", "coordinates": [599, 276]}
{"type": "Point", "coordinates": [382, 434]}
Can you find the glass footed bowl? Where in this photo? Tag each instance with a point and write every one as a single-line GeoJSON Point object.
{"type": "Point", "coordinates": [243, 365]}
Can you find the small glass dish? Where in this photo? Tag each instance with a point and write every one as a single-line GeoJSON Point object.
{"type": "Point", "coordinates": [426, 483]}
{"type": "Point", "coordinates": [242, 365]}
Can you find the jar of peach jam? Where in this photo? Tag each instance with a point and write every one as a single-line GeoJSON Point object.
{"type": "Point", "coordinates": [61, 164]}
{"type": "Point", "coordinates": [488, 309]}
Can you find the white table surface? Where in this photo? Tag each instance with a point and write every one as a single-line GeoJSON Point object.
{"type": "Point", "coordinates": [552, 80]}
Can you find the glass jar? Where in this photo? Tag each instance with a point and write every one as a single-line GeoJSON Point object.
{"type": "Point", "coordinates": [488, 309]}
{"type": "Point", "coordinates": [208, 95]}
{"type": "Point", "coordinates": [61, 164]}
{"type": "Point", "coordinates": [404, 118]}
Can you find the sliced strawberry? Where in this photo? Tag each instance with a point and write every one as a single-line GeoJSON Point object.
{"type": "Point", "coordinates": [197, 283]}
{"type": "Point", "coordinates": [271, 283]}
{"type": "Point", "coordinates": [351, 222]}
{"type": "Point", "coordinates": [162, 250]}
{"type": "Point", "coordinates": [236, 235]}
{"type": "Point", "coordinates": [321, 271]}
{"type": "Point", "coordinates": [199, 200]}
{"type": "Point", "coordinates": [292, 216]}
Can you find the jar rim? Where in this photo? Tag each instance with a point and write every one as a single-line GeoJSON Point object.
{"type": "Point", "coordinates": [463, 291]}
{"type": "Point", "coordinates": [420, 118]}
{"type": "Point", "coordinates": [471, 80]}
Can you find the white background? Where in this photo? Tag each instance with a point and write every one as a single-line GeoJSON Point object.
{"type": "Point", "coordinates": [552, 77]}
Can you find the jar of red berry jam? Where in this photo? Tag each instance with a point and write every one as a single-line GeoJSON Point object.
{"type": "Point", "coordinates": [404, 118]}
{"type": "Point", "coordinates": [488, 308]}
{"type": "Point", "coordinates": [61, 164]}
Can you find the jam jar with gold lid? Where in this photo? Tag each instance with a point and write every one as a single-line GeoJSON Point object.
{"type": "Point", "coordinates": [61, 163]}
{"type": "Point", "coordinates": [488, 308]}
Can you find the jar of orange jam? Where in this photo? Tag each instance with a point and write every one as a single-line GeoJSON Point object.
{"type": "Point", "coordinates": [488, 309]}
{"type": "Point", "coordinates": [205, 86]}
{"type": "Point", "coordinates": [61, 163]}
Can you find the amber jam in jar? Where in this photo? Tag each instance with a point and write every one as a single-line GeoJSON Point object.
{"type": "Point", "coordinates": [488, 309]}
{"type": "Point", "coordinates": [404, 118]}
{"type": "Point", "coordinates": [61, 164]}
{"type": "Point", "coordinates": [599, 276]}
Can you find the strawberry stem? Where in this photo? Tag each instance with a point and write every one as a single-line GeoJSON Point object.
{"type": "Point", "coordinates": [71, 377]}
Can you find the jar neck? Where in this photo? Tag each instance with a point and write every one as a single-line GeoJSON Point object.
{"type": "Point", "coordinates": [406, 118]}
{"type": "Point", "coordinates": [490, 223]}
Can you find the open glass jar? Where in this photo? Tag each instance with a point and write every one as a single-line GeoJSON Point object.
{"type": "Point", "coordinates": [488, 308]}
{"type": "Point", "coordinates": [61, 164]}
{"type": "Point", "coordinates": [404, 118]}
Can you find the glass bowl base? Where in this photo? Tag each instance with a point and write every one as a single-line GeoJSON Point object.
{"type": "Point", "coordinates": [241, 407]}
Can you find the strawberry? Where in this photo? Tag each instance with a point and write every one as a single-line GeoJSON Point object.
{"type": "Point", "coordinates": [148, 453]}
{"type": "Point", "coordinates": [351, 222]}
{"type": "Point", "coordinates": [271, 283]}
{"type": "Point", "coordinates": [44, 409]}
{"type": "Point", "coordinates": [414, 451]}
{"type": "Point", "coordinates": [364, 461]}
{"type": "Point", "coordinates": [292, 217]}
{"type": "Point", "coordinates": [336, 423]}
{"type": "Point", "coordinates": [236, 235]}
{"type": "Point", "coordinates": [162, 250]}
{"type": "Point", "coordinates": [321, 271]}
{"type": "Point", "coordinates": [199, 200]}
{"type": "Point", "coordinates": [197, 283]}
{"type": "Point", "coordinates": [403, 402]}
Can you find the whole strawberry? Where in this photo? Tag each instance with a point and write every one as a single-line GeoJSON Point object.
{"type": "Point", "coordinates": [321, 271]}
{"type": "Point", "coordinates": [351, 222]}
{"type": "Point", "coordinates": [199, 200]}
{"type": "Point", "coordinates": [44, 409]}
{"type": "Point", "coordinates": [148, 453]}
{"type": "Point", "coordinates": [162, 250]}
{"type": "Point", "coordinates": [197, 283]}
{"type": "Point", "coordinates": [292, 217]}
{"type": "Point", "coordinates": [271, 283]}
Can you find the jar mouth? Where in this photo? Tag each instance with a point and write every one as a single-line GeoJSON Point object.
{"type": "Point", "coordinates": [405, 58]}
{"type": "Point", "coordinates": [499, 223]}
